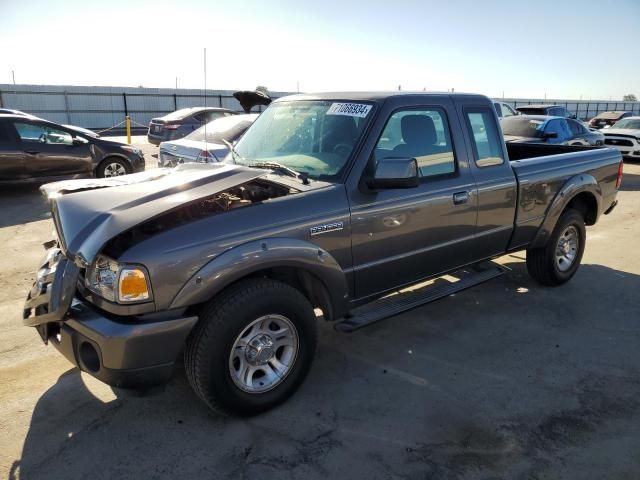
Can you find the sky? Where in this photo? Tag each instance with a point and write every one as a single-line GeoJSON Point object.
{"type": "Point", "coordinates": [554, 49]}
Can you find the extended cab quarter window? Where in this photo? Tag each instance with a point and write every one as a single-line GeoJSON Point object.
{"type": "Point", "coordinates": [487, 143]}
{"type": "Point", "coordinates": [420, 134]}
{"type": "Point", "coordinates": [35, 133]}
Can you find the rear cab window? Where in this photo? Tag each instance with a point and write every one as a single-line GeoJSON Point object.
{"type": "Point", "coordinates": [423, 134]}
{"type": "Point", "coordinates": [485, 137]}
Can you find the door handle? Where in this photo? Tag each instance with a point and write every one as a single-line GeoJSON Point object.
{"type": "Point", "coordinates": [32, 152]}
{"type": "Point", "coordinates": [460, 198]}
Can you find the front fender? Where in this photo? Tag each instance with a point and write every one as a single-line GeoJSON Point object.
{"type": "Point", "coordinates": [574, 186]}
{"type": "Point", "coordinates": [248, 258]}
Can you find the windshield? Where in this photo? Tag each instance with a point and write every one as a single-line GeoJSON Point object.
{"type": "Point", "coordinates": [314, 138]}
{"type": "Point", "coordinates": [522, 127]}
{"type": "Point", "coordinates": [627, 123]}
{"type": "Point", "coordinates": [225, 128]}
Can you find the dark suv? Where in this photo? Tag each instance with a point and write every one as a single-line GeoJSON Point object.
{"type": "Point", "coordinates": [182, 122]}
{"type": "Point", "coordinates": [549, 110]}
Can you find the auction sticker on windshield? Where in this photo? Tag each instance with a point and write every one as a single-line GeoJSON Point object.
{"type": "Point", "coordinates": [350, 109]}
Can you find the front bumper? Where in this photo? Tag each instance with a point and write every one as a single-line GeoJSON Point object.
{"type": "Point", "coordinates": [127, 352]}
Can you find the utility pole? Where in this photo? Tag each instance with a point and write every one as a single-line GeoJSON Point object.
{"type": "Point", "coordinates": [298, 86]}
{"type": "Point", "coordinates": [13, 75]}
{"type": "Point", "coordinates": [176, 83]}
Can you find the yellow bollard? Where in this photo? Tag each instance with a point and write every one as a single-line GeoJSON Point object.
{"type": "Point", "coordinates": [127, 122]}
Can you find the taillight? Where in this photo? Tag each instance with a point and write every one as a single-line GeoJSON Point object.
{"type": "Point", "coordinates": [169, 126]}
{"type": "Point", "coordinates": [205, 156]}
{"type": "Point", "coordinates": [619, 179]}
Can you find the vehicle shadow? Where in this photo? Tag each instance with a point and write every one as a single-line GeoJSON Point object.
{"type": "Point", "coordinates": [538, 374]}
{"type": "Point", "coordinates": [21, 204]}
{"type": "Point", "coordinates": [630, 182]}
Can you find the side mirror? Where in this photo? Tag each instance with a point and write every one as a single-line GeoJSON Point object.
{"type": "Point", "coordinates": [550, 135]}
{"type": "Point", "coordinates": [574, 116]}
{"type": "Point", "coordinates": [395, 173]}
{"type": "Point", "coordinates": [78, 141]}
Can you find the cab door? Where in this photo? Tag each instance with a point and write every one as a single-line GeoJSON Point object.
{"type": "Point", "coordinates": [495, 180]}
{"type": "Point", "coordinates": [400, 236]}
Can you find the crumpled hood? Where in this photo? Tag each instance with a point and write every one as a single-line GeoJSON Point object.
{"type": "Point", "coordinates": [88, 213]}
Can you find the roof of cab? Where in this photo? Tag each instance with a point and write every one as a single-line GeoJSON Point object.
{"type": "Point", "coordinates": [369, 96]}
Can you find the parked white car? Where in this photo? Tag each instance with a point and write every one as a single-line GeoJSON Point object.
{"type": "Point", "coordinates": [625, 136]}
{"type": "Point", "coordinates": [504, 110]}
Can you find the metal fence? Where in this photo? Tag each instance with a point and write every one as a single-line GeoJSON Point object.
{"type": "Point", "coordinates": [584, 109]}
{"type": "Point", "coordinates": [102, 107]}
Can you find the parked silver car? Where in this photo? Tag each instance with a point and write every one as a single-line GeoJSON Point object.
{"type": "Point", "coordinates": [207, 144]}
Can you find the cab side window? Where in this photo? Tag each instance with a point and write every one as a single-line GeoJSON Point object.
{"type": "Point", "coordinates": [420, 134]}
{"type": "Point", "coordinates": [487, 143]}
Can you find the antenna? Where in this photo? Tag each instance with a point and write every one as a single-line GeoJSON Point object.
{"type": "Point", "coordinates": [205, 102]}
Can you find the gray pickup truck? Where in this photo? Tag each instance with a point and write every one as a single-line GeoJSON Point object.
{"type": "Point", "coordinates": [328, 204]}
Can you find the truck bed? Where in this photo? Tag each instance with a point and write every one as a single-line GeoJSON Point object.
{"type": "Point", "coordinates": [541, 171]}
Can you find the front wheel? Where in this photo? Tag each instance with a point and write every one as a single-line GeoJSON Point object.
{"type": "Point", "coordinates": [558, 261]}
{"type": "Point", "coordinates": [113, 167]}
{"type": "Point", "coordinates": [252, 348]}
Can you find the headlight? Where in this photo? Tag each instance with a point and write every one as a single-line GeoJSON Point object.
{"type": "Point", "coordinates": [117, 283]}
{"type": "Point", "coordinates": [131, 149]}
{"type": "Point", "coordinates": [132, 285]}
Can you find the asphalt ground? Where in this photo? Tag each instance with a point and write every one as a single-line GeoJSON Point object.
{"type": "Point", "coordinates": [509, 380]}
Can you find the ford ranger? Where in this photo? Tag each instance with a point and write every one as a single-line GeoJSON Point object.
{"type": "Point", "coordinates": [330, 203]}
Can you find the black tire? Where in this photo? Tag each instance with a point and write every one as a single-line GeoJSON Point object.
{"type": "Point", "coordinates": [109, 162]}
{"type": "Point", "coordinates": [541, 262]}
{"type": "Point", "coordinates": [222, 321]}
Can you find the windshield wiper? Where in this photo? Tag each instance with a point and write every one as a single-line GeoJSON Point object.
{"type": "Point", "coordinates": [278, 167]}
{"type": "Point", "coordinates": [234, 153]}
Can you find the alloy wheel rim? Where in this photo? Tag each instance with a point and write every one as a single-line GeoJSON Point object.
{"type": "Point", "coordinates": [263, 354]}
{"type": "Point", "coordinates": [567, 248]}
{"type": "Point", "coordinates": [114, 170]}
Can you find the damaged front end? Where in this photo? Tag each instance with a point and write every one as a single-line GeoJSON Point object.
{"type": "Point", "coordinates": [100, 219]}
{"type": "Point", "coordinates": [99, 311]}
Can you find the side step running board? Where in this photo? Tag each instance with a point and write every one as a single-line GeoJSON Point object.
{"type": "Point", "coordinates": [402, 302]}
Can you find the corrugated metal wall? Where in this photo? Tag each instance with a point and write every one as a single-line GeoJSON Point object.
{"type": "Point", "coordinates": [103, 107]}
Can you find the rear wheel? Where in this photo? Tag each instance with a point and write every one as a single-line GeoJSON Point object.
{"type": "Point", "coordinates": [559, 259]}
{"type": "Point", "coordinates": [113, 167]}
{"type": "Point", "coordinates": [252, 347]}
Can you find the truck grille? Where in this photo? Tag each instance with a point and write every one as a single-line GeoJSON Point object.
{"type": "Point", "coordinates": [52, 292]}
